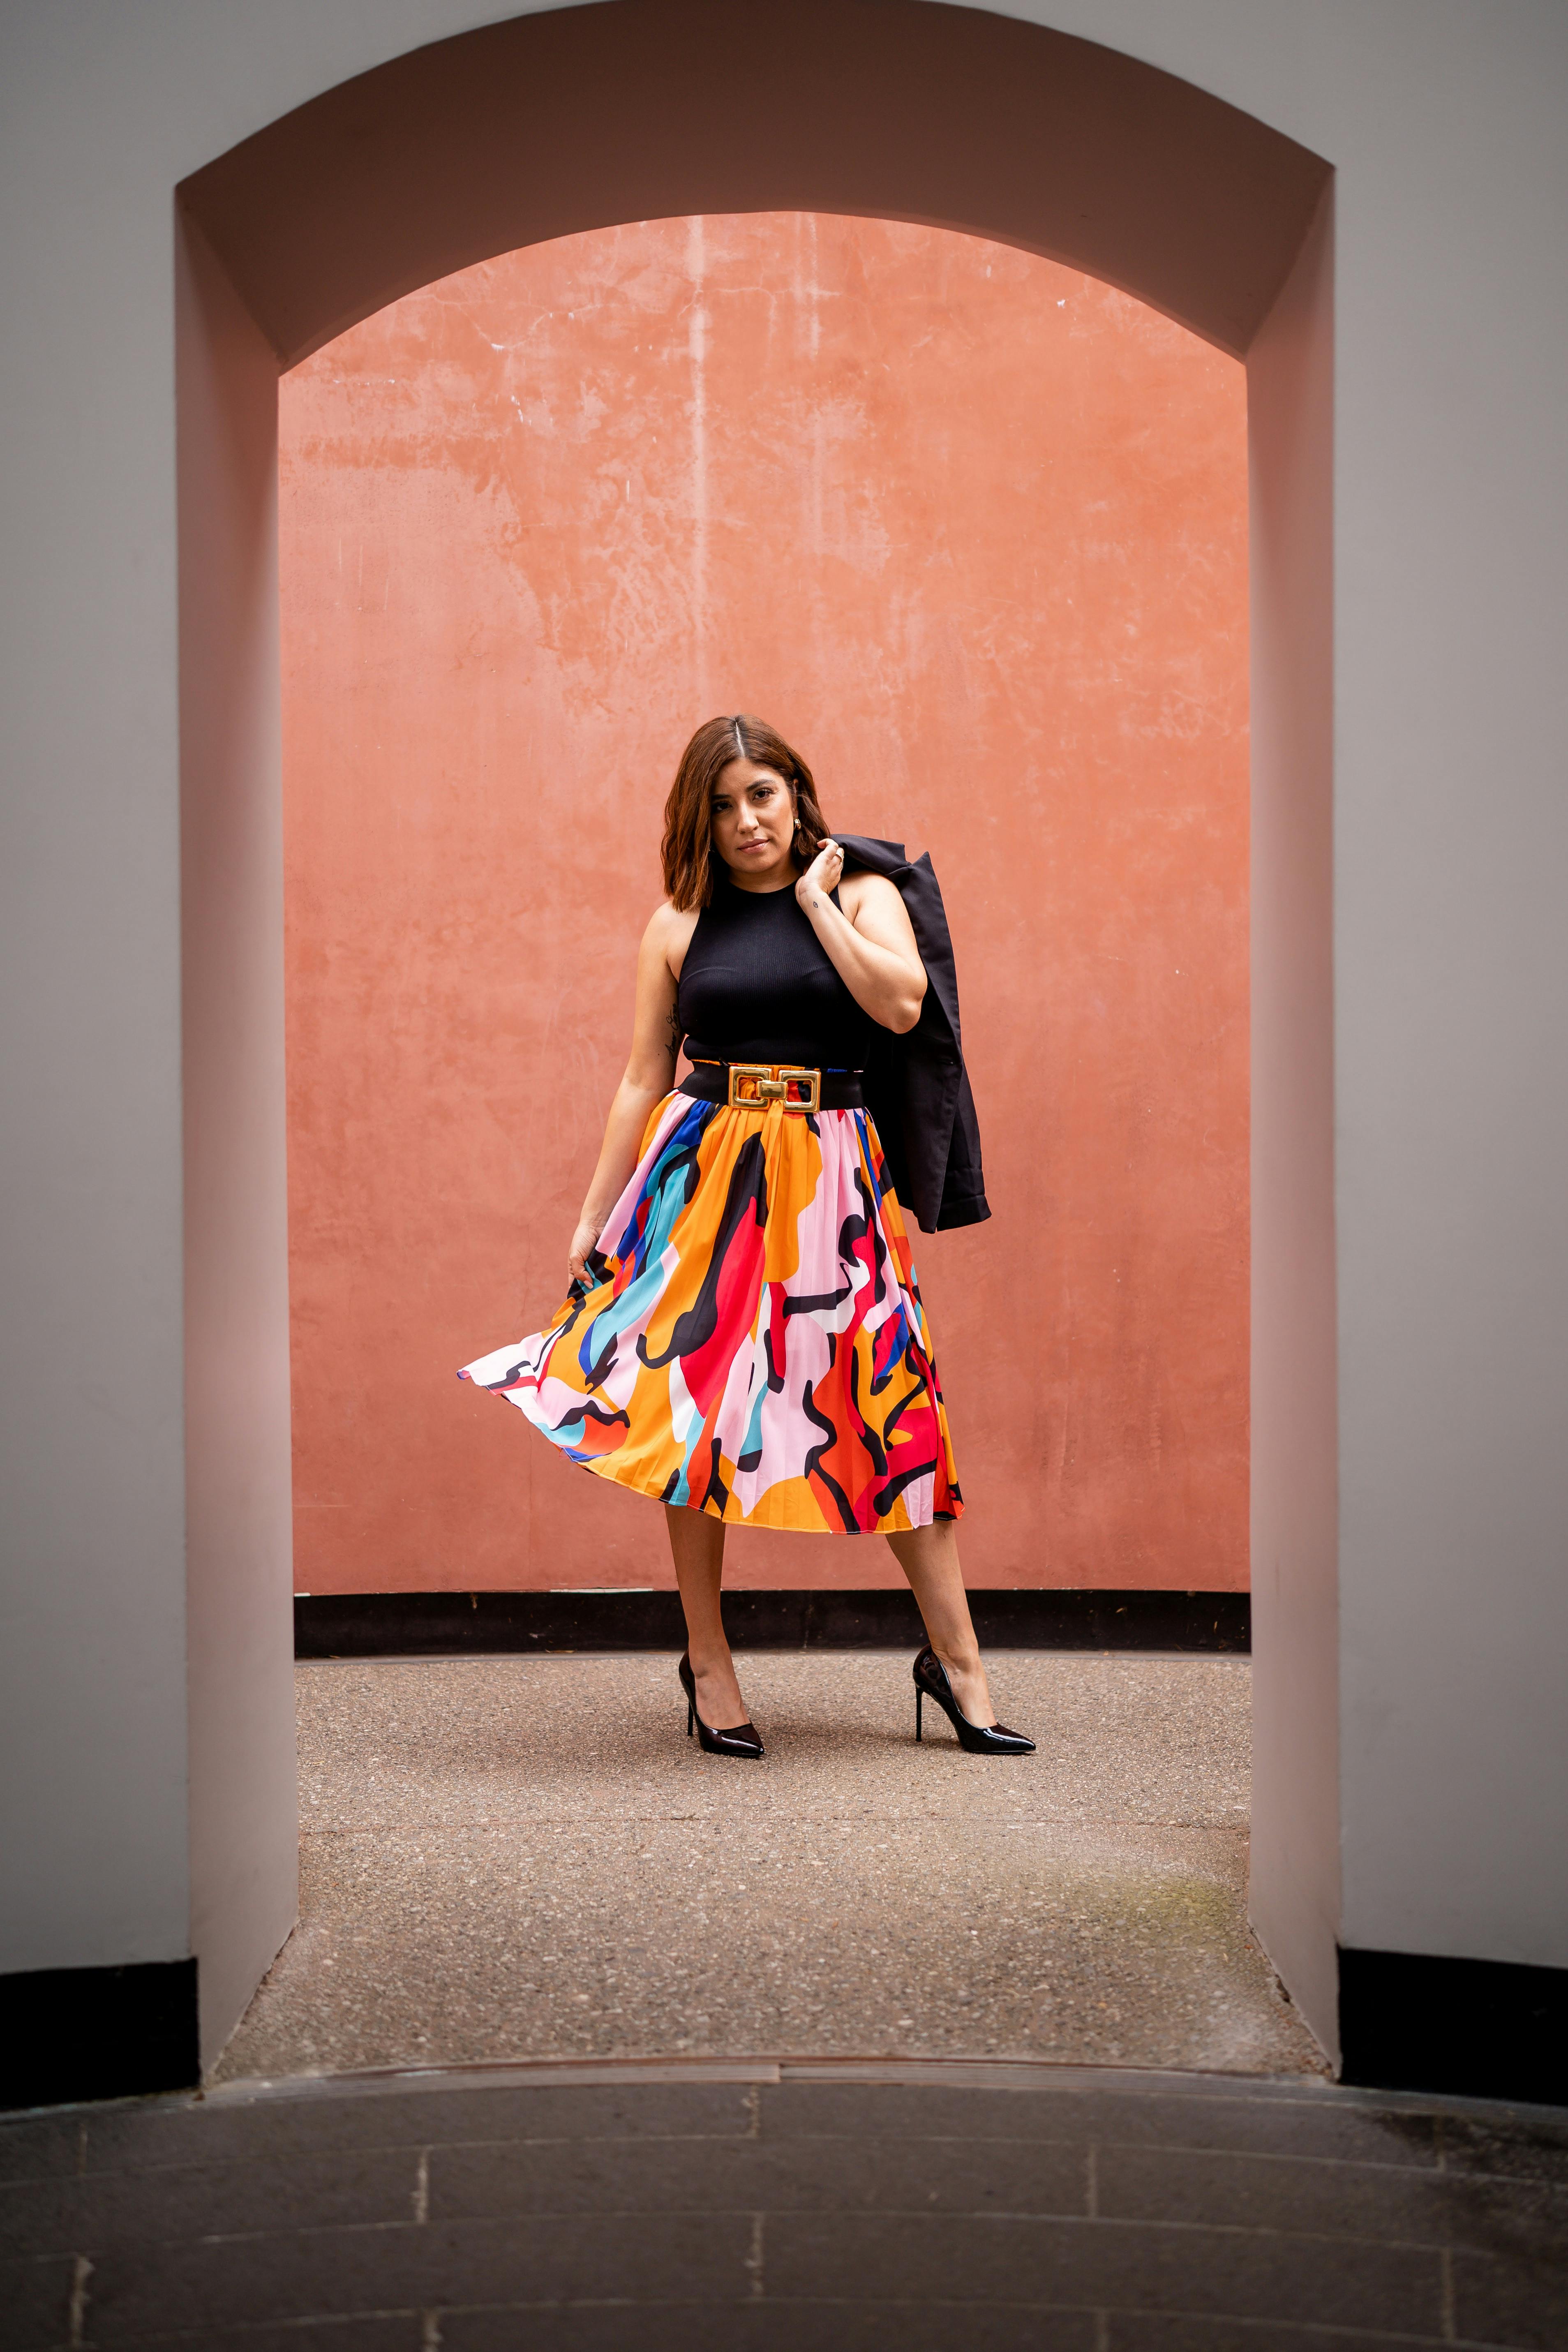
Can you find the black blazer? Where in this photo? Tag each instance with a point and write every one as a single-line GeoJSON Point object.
{"type": "Point", "coordinates": [917, 1088]}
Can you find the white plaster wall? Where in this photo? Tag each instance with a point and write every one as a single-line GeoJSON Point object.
{"type": "Point", "coordinates": [1451, 958]}
{"type": "Point", "coordinates": [1446, 121]}
{"type": "Point", "coordinates": [244, 1816]}
{"type": "Point", "coordinates": [1295, 1879]}
{"type": "Point", "coordinates": [1452, 988]}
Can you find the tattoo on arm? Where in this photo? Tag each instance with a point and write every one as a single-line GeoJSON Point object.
{"type": "Point", "coordinates": [676, 1032]}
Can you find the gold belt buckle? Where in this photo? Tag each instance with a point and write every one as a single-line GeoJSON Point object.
{"type": "Point", "coordinates": [754, 1084]}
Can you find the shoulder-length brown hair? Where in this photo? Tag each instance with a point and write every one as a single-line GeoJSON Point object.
{"type": "Point", "coordinates": [687, 848]}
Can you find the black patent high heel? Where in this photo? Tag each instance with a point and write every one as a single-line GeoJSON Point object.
{"type": "Point", "coordinates": [976, 1739]}
{"type": "Point", "coordinates": [741, 1740]}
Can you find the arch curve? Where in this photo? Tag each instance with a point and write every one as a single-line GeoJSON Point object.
{"type": "Point", "coordinates": [578, 118]}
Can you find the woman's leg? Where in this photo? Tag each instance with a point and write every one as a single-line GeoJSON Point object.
{"type": "Point", "coordinates": [697, 1543]}
{"type": "Point", "coordinates": [928, 1557]}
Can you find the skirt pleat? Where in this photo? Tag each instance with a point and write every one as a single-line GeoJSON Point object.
{"type": "Point", "coordinates": [752, 1344]}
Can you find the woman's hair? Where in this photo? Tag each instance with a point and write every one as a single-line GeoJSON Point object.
{"type": "Point", "coordinates": [687, 848]}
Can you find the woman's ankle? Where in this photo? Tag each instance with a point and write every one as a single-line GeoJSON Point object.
{"type": "Point", "coordinates": [710, 1657]}
{"type": "Point", "coordinates": [959, 1661]}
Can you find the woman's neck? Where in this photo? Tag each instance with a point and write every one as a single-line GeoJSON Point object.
{"type": "Point", "coordinates": [765, 886]}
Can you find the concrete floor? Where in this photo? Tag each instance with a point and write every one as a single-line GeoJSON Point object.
{"type": "Point", "coordinates": [509, 1859]}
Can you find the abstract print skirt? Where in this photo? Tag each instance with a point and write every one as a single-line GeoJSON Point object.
{"type": "Point", "coordinates": [753, 1345]}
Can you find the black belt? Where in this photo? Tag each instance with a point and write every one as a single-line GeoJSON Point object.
{"type": "Point", "coordinates": [757, 1085]}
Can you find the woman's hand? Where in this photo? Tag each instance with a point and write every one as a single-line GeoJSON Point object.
{"type": "Point", "coordinates": [585, 1238]}
{"type": "Point", "coordinates": [822, 876]}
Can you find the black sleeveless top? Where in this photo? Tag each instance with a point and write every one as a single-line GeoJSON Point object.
{"type": "Point", "coordinates": [757, 985]}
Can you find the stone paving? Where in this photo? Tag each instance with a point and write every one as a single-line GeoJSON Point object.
{"type": "Point", "coordinates": [857, 2207]}
{"type": "Point", "coordinates": [526, 1858]}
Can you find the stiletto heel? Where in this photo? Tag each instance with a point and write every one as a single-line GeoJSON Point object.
{"type": "Point", "coordinates": [740, 1739]}
{"type": "Point", "coordinates": [976, 1739]}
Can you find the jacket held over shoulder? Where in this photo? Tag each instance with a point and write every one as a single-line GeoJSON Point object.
{"type": "Point", "coordinates": [917, 1088]}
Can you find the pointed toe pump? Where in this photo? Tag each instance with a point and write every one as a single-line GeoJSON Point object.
{"type": "Point", "coordinates": [741, 1740]}
{"type": "Point", "coordinates": [976, 1739]}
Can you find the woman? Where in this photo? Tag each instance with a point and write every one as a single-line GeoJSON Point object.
{"type": "Point", "coordinates": [744, 1341]}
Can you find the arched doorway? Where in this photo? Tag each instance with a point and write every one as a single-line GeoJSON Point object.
{"type": "Point", "coordinates": [580, 118]}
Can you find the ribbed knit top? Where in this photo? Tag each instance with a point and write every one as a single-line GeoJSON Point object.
{"type": "Point", "coordinates": [757, 985]}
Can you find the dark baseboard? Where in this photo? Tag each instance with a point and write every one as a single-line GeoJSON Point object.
{"type": "Point", "coordinates": [447, 1625]}
{"type": "Point", "coordinates": [1481, 2029]}
{"type": "Point", "coordinates": [98, 2033]}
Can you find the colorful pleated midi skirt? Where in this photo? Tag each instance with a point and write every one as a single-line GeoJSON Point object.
{"type": "Point", "coordinates": [753, 1345]}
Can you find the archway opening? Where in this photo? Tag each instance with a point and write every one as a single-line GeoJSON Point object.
{"type": "Point", "coordinates": [973, 528]}
{"type": "Point", "coordinates": [573, 119]}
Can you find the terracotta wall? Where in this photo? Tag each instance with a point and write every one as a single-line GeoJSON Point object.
{"type": "Point", "coordinates": [970, 527]}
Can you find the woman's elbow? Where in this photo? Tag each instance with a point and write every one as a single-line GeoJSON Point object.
{"type": "Point", "coordinates": [904, 1015]}
{"type": "Point", "coordinates": [644, 1083]}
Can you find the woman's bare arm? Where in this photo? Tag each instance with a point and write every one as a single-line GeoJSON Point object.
{"type": "Point", "coordinates": [649, 1074]}
{"type": "Point", "coordinates": [872, 947]}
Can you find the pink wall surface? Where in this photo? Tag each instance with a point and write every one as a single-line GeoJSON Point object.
{"type": "Point", "coordinates": [971, 528]}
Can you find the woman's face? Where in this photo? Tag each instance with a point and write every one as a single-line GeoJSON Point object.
{"type": "Point", "coordinates": [754, 824]}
